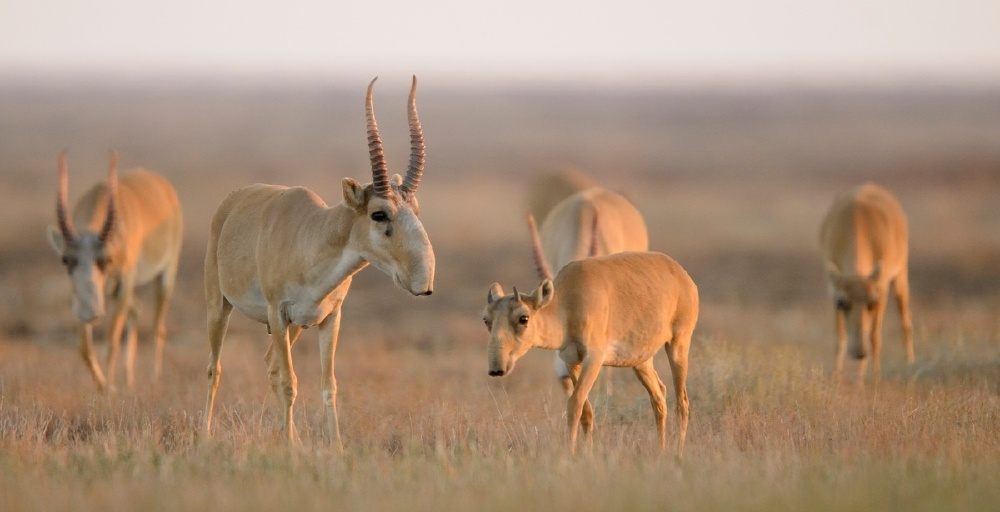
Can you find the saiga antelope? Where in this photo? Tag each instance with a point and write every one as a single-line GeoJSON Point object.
{"type": "Point", "coordinates": [614, 310]}
{"type": "Point", "coordinates": [864, 241]}
{"type": "Point", "coordinates": [122, 234]}
{"type": "Point", "coordinates": [550, 188]}
{"type": "Point", "coordinates": [282, 257]}
{"type": "Point", "coordinates": [571, 231]}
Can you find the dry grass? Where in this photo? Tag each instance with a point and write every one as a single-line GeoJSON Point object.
{"type": "Point", "coordinates": [424, 427]}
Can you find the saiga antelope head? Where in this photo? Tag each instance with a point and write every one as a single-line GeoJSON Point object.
{"type": "Point", "coordinates": [857, 297]}
{"type": "Point", "coordinates": [87, 254]}
{"type": "Point", "coordinates": [387, 227]}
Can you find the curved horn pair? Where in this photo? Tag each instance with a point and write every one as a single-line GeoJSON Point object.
{"type": "Point", "coordinates": [380, 170]}
{"type": "Point", "coordinates": [541, 266]}
{"type": "Point", "coordinates": [62, 199]}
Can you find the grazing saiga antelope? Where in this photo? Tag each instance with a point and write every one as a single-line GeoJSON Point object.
{"type": "Point", "coordinates": [571, 232]}
{"type": "Point", "coordinates": [552, 187]}
{"type": "Point", "coordinates": [615, 310]}
{"type": "Point", "coordinates": [122, 234]}
{"type": "Point", "coordinates": [284, 258]}
{"type": "Point", "coordinates": [864, 241]}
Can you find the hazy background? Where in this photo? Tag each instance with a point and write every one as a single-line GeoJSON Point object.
{"type": "Point", "coordinates": [731, 125]}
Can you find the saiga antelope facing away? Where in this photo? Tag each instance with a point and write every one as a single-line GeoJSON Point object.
{"type": "Point", "coordinates": [612, 310]}
{"type": "Point", "coordinates": [571, 231]}
{"type": "Point", "coordinates": [550, 188]}
{"type": "Point", "coordinates": [282, 257]}
{"type": "Point", "coordinates": [122, 235]}
{"type": "Point", "coordinates": [864, 241]}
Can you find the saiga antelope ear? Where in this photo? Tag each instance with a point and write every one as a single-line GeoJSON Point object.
{"type": "Point", "coordinates": [543, 295]}
{"type": "Point", "coordinates": [56, 240]}
{"type": "Point", "coordinates": [354, 194]}
{"type": "Point", "coordinates": [496, 291]}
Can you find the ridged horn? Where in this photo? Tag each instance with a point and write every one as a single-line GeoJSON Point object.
{"type": "Point", "coordinates": [592, 250]}
{"type": "Point", "coordinates": [380, 170]}
{"type": "Point", "coordinates": [112, 213]}
{"type": "Point", "coordinates": [62, 200]}
{"type": "Point", "coordinates": [541, 266]}
{"type": "Point", "coordinates": [418, 151]}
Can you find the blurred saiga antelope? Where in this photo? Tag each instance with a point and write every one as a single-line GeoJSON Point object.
{"type": "Point", "coordinates": [571, 232]}
{"type": "Point", "coordinates": [864, 240]}
{"type": "Point", "coordinates": [122, 235]}
{"type": "Point", "coordinates": [282, 257]}
{"type": "Point", "coordinates": [615, 310]}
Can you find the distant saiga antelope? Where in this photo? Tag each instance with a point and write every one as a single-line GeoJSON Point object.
{"type": "Point", "coordinates": [122, 234]}
{"type": "Point", "coordinates": [864, 242]}
{"type": "Point", "coordinates": [284, 258]}
{"type": "Point", "coordinates": [615, 310]}
{"type": "Point", "coordinates": [571, 231]}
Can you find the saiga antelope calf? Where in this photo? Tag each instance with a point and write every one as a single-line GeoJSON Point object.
{"type": "Point", "coordinates": [571, 231]}
{"type": "Point", "coordinates": [612, 310]}
{"type": "Point", "coordinates": [864, 242]}
{"type": "Point", "coordinates": [122, 235]}
{"type": "Point", "coordinates": [282, 257]}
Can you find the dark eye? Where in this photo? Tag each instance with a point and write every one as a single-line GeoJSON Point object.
{"type": "Point", "coordinates": [69, 261]}
{"type": "Point", "coordinates": [523, 320]}
{"type": "Point", "coordinates": [380, 216]}
{"type": "Point", "coordinates": [102, 262]}
{"type": "Point", "coordinates": [843, 305]}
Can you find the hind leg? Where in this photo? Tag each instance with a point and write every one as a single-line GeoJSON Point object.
{"type": "Point", "coordinates": [647, 375]}
{"type": "Point", "coordinates": [272, 362]}
{"type": "Point", "coordinates": [677, 353]}
{"type": "Point", "coordinates": [131, 345]}
{"type": "Point", "coordinates": [164, 290]}
{"type": "Point", "coordinates": [902, 289]}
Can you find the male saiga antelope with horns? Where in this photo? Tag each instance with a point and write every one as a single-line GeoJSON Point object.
{"type": "Point", "coordinates": [282, 257]}
{"type": "Point", "coordinates": [864, 242]}
{"type": "Point", "coordinates": [615, 310]}
{"type": "Point", "coordinates": [571, 231]}
{"type": "Point", "coordinates": [122, 234]}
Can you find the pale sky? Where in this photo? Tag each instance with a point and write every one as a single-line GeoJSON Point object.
{"type": "Point", "coordinates": [518, 40]}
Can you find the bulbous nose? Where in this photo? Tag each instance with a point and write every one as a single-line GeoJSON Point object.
{"type": "Point", "coordinates": [496, 373]}
{"type": "Point", "coordinates": [428, 292]}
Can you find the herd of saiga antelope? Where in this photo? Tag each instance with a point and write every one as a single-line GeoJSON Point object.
{"type": "Point", "coordinates": [284, 258]}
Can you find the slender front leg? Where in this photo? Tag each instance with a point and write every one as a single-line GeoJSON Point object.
{"type": "Point", "coordinates": [902, 288]}
{"type": "Point", "coordinates": [87, 351]}
{"type": "Point", "coordinates": [587, 418]}
{"type": "Point", "coordinates": [657, 398]}
{"type": "Point", "coordinates": [123, 304]}
{"type": "Point", "coordinates": [876, 337]}
{"type": "Point", "coordinates": [131, 345]}
{"type": "Point", "coordinates": [591, 367]}
{"type": "Point", "coordinates": [288, 385]}
{"type": "Point", "coordinates": [164, 290]}
{"type": "Point", "coordinates": [329, 331]}
{"type": "Point", "coordinates": [838, 366]}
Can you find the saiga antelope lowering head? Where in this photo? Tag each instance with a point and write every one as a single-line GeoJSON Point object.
{"type": "Point", "coordinates": [284, 258]}
{"type": "Point", "coordinates": [118, 237]}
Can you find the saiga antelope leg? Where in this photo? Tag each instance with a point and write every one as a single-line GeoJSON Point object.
{"type": "Point", "coordinates": [587, 418]}
{"type": "Point", "coordinates": [131, 345]}
{"type": "Point", "coordinates": [902, 289]}
{"type": "Point", "coordinates": [272, 362]}
{"type": "Point", "coordinates": [838, 366]}
{"type": "Point", "coordinates": [677, 353]}
{"type": "Point", "coordinates": [657, 397]}
{"type": "Point", "coordinates": [289, 385]}
{"type": "Point", "coordinates": [218, 322]}
{"type": "Point", "coordinates": [87, 351]}
{"type": "Point", "coordinates": [164, 291]}
{"type": "Point", "coordinates": [591, 367]}
{"type": "Point", "coordinates": [329, 331]}
{"type": "Point", "coordinates": [123, 304]}
{"type": "Point", "coordinates": [876, 337]}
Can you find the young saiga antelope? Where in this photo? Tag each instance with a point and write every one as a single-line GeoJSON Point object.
{"type": "Point", "coordinates": [122, 234]}
{"type": "Point", "coordinates": [614, 310]}
{"type": "Point", "coordinates": [284, 258]}
{"type": "Point", "coordinates": [571, 232]}
{"type": "Point", "coordinates": [864, 243]}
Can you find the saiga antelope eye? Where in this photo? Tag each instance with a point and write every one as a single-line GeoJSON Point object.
{"type": "Point", "coordinates": [843, 305]}
{"type": "Point", "coordinates": [380, 216]}
{"type": "Point", "coordinates": [523, 320]}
